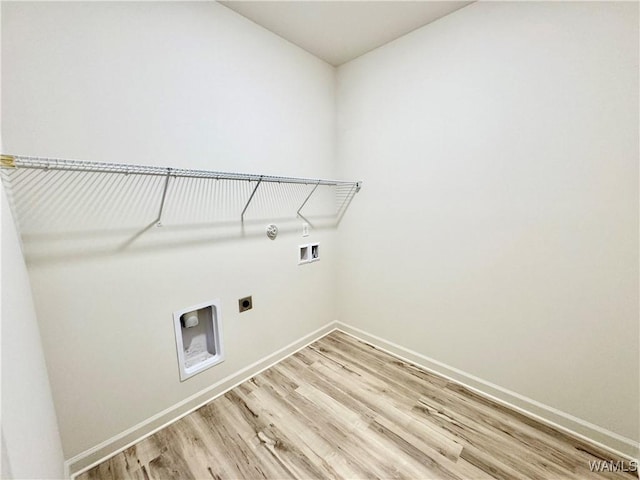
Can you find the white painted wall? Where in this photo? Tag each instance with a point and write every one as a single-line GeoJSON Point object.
{"type": "Point", "coordinates": [498, 228]}
{"type": "Point", "coordinates": [31, 446]}
{"type": "Point", "coordinates": [181, 84]}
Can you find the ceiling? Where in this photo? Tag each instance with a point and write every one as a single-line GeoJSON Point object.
{"type": "Point", "coordinates": [339, 31]}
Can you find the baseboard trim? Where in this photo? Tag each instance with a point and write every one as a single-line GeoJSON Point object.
{"type": "Point", "coordinates": [553, 417]}
{"type": "Point", "coordinates": [94, 456]}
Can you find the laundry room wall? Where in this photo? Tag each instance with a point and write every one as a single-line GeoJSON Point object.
{"type": "Point", "coordinates": [498, 231]}
{"type": "Point", "coordinates": [181, 84]}
{"type": "Point", "coordinates": [29, 420]}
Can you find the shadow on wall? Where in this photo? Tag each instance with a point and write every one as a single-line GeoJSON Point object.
{"type": "Point", "coordinates": [65, 215]}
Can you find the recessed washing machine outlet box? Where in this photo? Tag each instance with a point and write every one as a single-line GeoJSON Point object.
{"type": "Point", "coordinates": [198, 332]}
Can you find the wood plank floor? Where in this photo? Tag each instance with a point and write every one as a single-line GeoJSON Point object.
{"type": "Point", "coordinates": [340, 408]}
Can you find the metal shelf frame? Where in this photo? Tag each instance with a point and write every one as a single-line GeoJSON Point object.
{"type": "Point", "coordinates": [53, 164]}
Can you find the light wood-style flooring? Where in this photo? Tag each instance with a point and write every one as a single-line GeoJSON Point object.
{"type": "Point", "coordinates": [341, 408]}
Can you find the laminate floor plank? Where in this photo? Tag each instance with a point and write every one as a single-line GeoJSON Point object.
{"type": "Point", "coordinates": [411, 375]}
{"type": "Point", "coordinates": [141, 453]}
{"type": "Point", "coordinates": [553, 470]}
{"type": "Point", "coordinates": [344, 425]}
{"type": "Point", "coordinates": [121, 468]}
{"type": "Point", "coordinates": [381, 407]}
{"type": "Point", "coordinates": [100, 472]}
{"type": "Point", "coordinates": [502, 429]}
{"type": "Point", "coordinates": [344, 409]}
{"type": "Point", "coordinates": [562, 441]}
{"type": "Point", "coordinates": [511, 429]}
{"type": "Point", "coordinates": [527, 461]}
{"type": "Point", "coordinates": [345, 430]}
{"type": "Point", "coordinates": [254, 454]}
{"type": "Point", "coordinates": [296, 427]}
{"type": "Point", "coordinates": [355, 455]}
{"type": "Point", "coordinates": [226, 453]}
{"type": "Point", "coordinates": [308, 447]}
{"type": "Point", "coordinates": [392, 373]}
{"type": "Point", "coordinates": [472, 397]}
{"type": "Point", "coordinates": [172, 462]}
{"type": "Point", "coordinates": [283, 448]}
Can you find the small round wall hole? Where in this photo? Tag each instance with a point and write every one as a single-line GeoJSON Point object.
{"type": "Point", "coordinates": [246, 304]}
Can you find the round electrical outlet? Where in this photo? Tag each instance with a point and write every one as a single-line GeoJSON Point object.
{"type": "Point", "coordinates": [245, 304]}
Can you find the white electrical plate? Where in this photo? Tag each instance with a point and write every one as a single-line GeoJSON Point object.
{"type": "Point", "coordinates": [308, 253]}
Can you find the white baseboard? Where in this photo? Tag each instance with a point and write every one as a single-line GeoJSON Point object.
{"type": "Point", "coordinates": [114, 445]}
{"type": "Point", "coordinates": [551, 416]}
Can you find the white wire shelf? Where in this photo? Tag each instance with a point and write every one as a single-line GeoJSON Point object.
{"type": "Point", "coordinates": [56, 195]}
{"type": "Point", "coordinates": [18, 161]}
